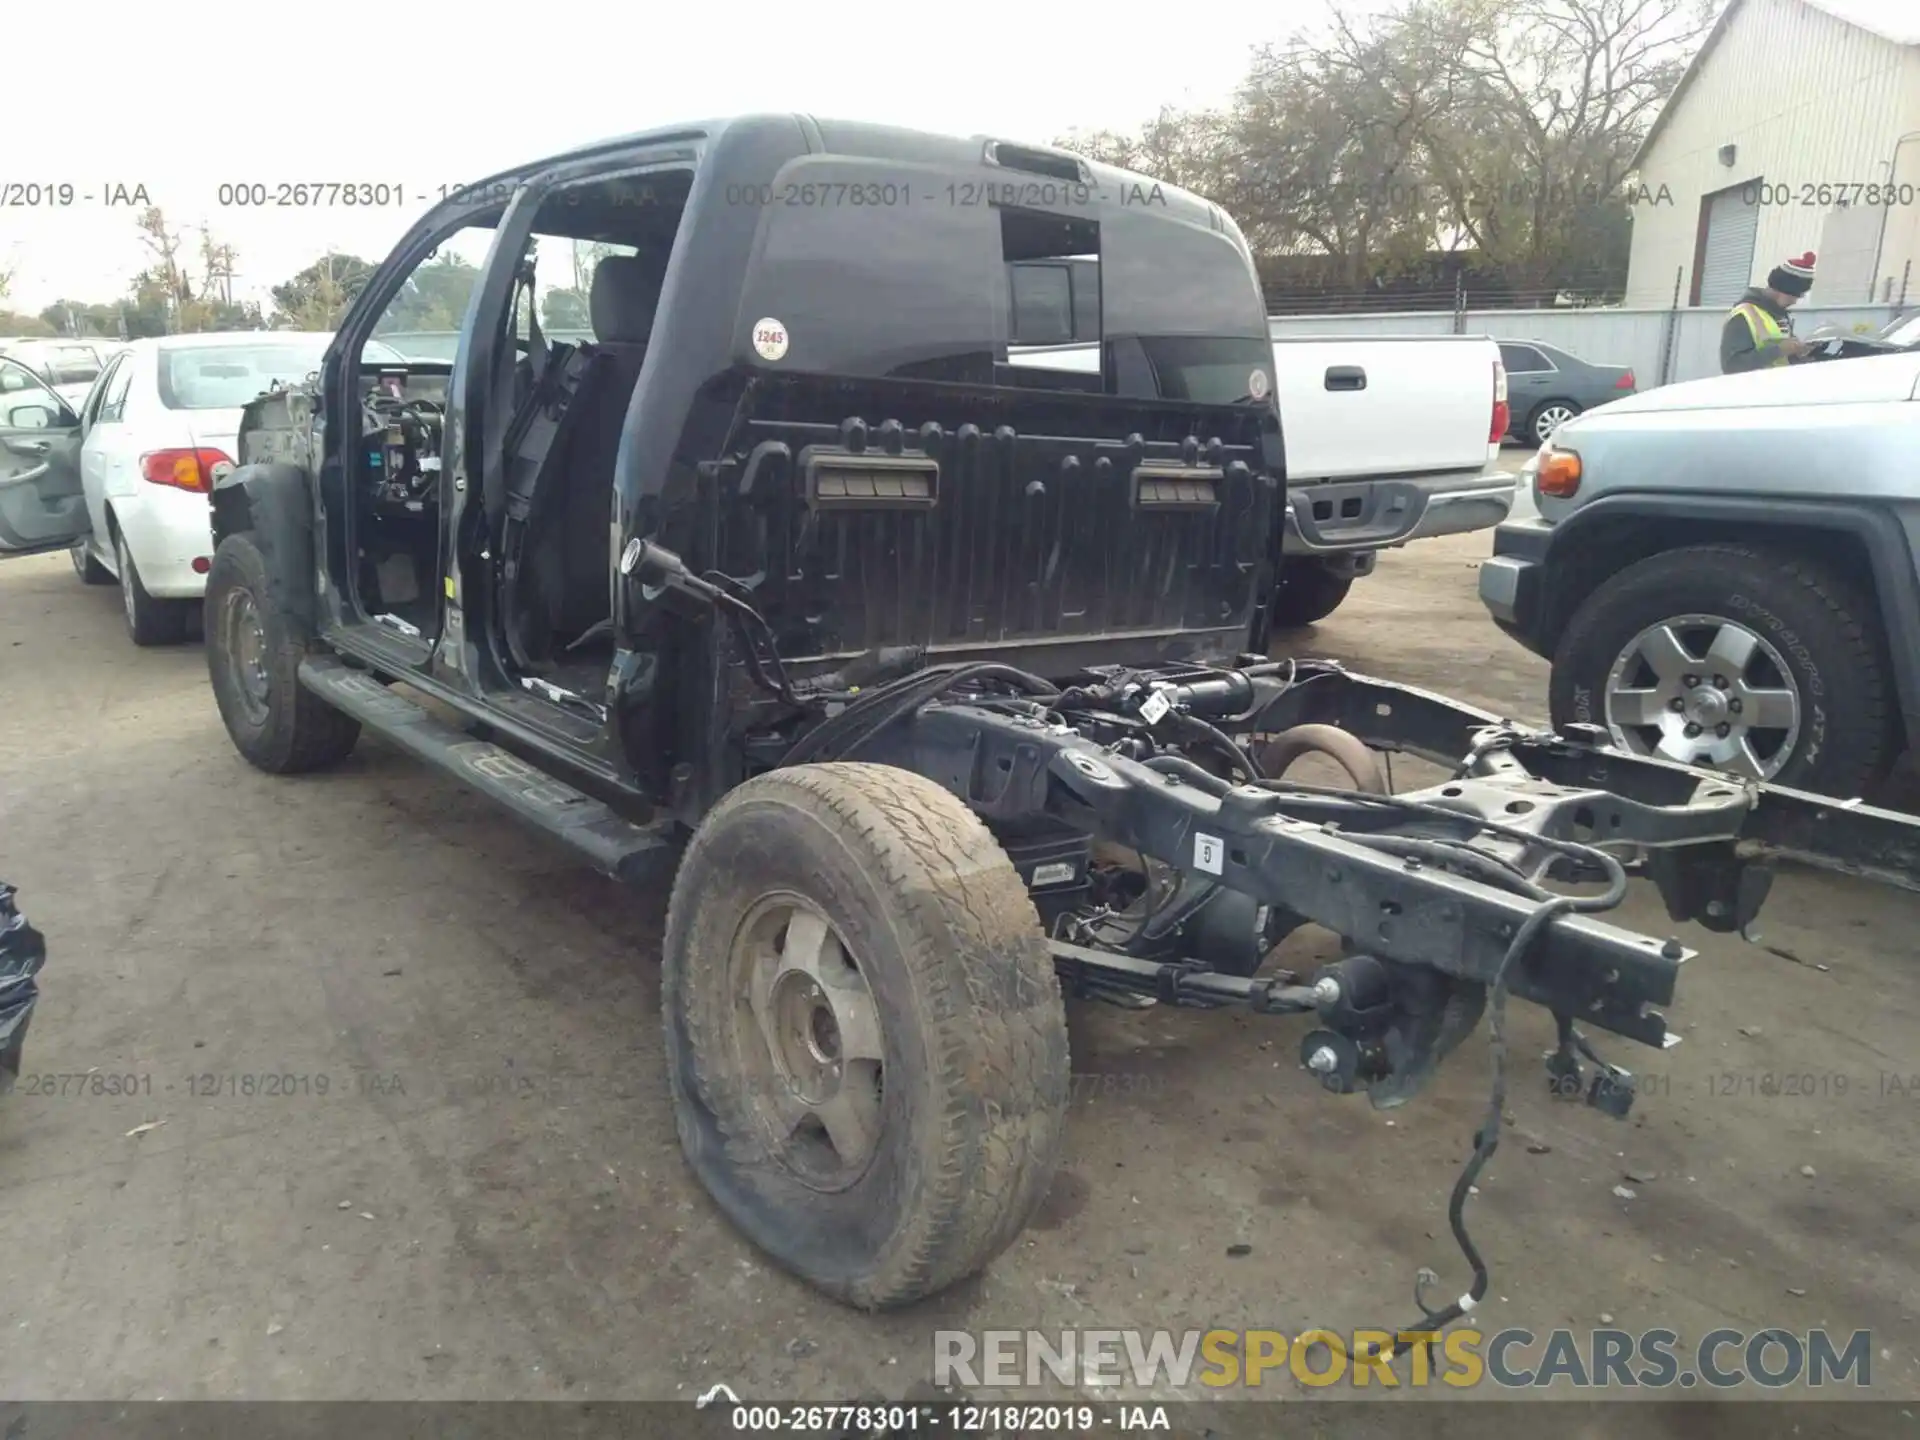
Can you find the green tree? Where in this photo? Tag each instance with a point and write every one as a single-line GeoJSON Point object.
{"type": "Point", "coordinates": [434, 297]}
{"type": "Point", "coordinates": [315, 297]}
{"type": "Point", "coordinates": [564, 310]}
{"type": "Point", "coordinates": [82, 317]}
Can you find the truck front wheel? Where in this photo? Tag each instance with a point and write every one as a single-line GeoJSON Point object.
{"type": "Point", "coordinates": [1732, 658]}
{"type": "Point", "coordinates": [1308, 592]}
{"type": "Point", "coordinates": [865, 1037]}
{"type": "Point", "coordinates": [253, 662]}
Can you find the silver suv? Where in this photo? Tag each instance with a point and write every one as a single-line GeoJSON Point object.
{"type": "Point", "coordinates": [1724, 572]}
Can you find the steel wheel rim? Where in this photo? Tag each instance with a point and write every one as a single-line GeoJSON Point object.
{"type": "Point", "coordinates": [1705, 690]}
{"type": "Point", "coordinates": [808, 1041]}
{"type": "Point", "coordinates": [1550, 420]}
{"type": "Point", "coordinates": [126, 580]}
{"type": "Point", "coordinates": [243, 639]}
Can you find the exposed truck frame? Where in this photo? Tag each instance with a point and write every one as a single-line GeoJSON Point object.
{"type": "Point", "coordinates": [890, 859]}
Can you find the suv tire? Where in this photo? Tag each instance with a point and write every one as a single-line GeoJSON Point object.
{"type": "Point", "coordinates": [1816, 636]}
{"type": "Point", "coordinates": [876, 896]}
{"type": "Point", "coordinates": [253, 661]}
{"type": "Point", "coordinates": [1307, 592]}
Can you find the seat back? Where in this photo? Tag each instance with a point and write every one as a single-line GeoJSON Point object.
{"type": "Point", "coordinates": [625, 294]}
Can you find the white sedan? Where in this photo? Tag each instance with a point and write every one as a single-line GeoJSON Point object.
{"type": "Point", "coordinates": [160, 426]}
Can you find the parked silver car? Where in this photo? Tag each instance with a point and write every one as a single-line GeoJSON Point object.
{"type": "Point", "coordinates": [69, 366]}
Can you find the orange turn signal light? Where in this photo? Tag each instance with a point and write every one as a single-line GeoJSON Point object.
{"type": "Point", "coordinates": [1558, 475]}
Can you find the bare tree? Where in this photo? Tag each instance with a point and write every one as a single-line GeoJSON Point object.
{"type": "Point", "coordinates": [1384, 141]}
{"type": "Point", "coordinates": [216, 268]}
{"type": "Point", "coordinates": [164, 276]}
{"type": "Point", "coordinates": [1553, 98]}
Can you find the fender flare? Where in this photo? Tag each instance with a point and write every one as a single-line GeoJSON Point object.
{"type": "Point", "coordinates": [1890, 557]}
{"type": "Point", "coordinates": [275, 503]}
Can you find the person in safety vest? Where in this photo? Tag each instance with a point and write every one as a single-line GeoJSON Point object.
{"type": "Point", "coordinates": [1758, 335]}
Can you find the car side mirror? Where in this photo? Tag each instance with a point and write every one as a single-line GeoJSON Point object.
{"type": "Point", "coordinates": [34, 416]}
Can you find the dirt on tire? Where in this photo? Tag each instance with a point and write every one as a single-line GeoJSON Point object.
{"type": "Point", "coordinates": [300, 732]}
{"type": "Point", "coordinates": [976, 1070]}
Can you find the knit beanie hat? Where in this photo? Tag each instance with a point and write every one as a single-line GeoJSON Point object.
{"type": "Point", "coordinates": [1793, 277]}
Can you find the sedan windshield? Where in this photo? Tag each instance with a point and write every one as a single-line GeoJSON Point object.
{"type": "Point", "coordinates": [225, 377]}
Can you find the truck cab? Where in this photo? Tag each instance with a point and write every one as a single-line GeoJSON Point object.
{"type": "Point", "coordinates": [754, 403]}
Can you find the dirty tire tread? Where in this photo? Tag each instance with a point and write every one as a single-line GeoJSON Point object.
{"type": "Point", "coordinates": [988, 1010]}
{"type": "Point", "coordinates": [1308, 592]}
{"type": "Point", "coordinates": [302, 732]}
{"type": "Point", "coordinates": [1856, 742]}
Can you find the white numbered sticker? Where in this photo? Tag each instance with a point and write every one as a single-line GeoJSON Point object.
{"type": "Point", "coordinates": [769, 338]}
{"type": "Point", "coordinates": [1208, 853]}
{"type": "Point", "coordinates": [1154, 708]}
{"type": "Point", "coordinates": [1257, 385]}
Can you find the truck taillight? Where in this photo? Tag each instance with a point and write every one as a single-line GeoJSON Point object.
{"type": "Point", "coordinates": [1502, 414]}
{"type": "Point", "coordinates": [182, 469]}
{"type": "Point", "coordinates": [1625, 382]}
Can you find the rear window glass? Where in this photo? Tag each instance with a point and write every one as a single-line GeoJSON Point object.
{"type": "Point", "coordinates": [901, 279]}
{"type": "Point", "coordinates": [226, 377]}
{"type": "Point", "coordinates": [1212, 370]}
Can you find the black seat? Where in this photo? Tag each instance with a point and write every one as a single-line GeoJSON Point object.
{"type": "Point", "coordinates": [574, 559]}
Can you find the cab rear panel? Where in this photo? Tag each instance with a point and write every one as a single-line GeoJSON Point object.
{"type": "Point", "coordinates": [1040, 525]}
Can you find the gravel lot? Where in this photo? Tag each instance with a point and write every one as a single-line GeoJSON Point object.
{"type": "Point", "coordinates": [474, 1189]}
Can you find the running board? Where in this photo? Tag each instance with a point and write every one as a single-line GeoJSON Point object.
{"type": "Point", "coordinates": [612, 845]}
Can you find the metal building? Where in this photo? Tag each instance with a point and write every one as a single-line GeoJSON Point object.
{"type": "Point", "coordinates": [1796, 127]}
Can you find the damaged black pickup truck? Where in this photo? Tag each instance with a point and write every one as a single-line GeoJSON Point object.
{"type": "Point", "coordinates": [937, 678]}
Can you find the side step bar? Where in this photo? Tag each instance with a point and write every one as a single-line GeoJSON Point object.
{"type": "Point", "coordinates": [612, 845]}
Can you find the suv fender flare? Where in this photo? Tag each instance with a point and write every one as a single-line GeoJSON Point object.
{"type": "Point", "coordinates": [275, 502]}
{"type": "Point", "coordinates": [1889, 550]}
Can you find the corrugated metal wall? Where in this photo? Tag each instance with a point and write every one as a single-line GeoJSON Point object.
{"type": "Point", "coordinates": [1806, 100]}
{"type": "Point", "coordinates": [1606, 337]}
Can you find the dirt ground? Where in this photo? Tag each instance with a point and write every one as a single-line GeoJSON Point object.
{"type": "Point", "coordinates": [474, 1189]}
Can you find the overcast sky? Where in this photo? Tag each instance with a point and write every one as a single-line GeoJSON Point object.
{"type": "Point", "coordinates": [183, 99]}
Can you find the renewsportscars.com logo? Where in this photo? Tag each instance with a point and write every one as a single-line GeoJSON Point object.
{"type": "Point", "coordinates": [1512, 1359]}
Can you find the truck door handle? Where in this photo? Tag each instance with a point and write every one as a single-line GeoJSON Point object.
{"type": "Point", "coordinates": [27, 447]}
{"type": "Point", "coordinates": [1346, 377]}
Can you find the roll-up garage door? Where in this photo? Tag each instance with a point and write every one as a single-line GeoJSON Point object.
{"type": "Point", "coordinates": [1733, 220]}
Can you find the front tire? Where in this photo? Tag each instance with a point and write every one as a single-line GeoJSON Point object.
{"type": "Point", "coordinates": [1750, 661]}
{"type": "Point", "coordinates": [1308, 592]}
{"type": "Point", "coordinates": [150, 621]}
{"type": "Point", "coordinates": [864, 1031]}
{"type": "Point", "coordinates": [253, 661]}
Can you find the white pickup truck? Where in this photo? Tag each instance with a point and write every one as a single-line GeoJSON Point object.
{"type": "Point", "coordinates": [1389, 439]}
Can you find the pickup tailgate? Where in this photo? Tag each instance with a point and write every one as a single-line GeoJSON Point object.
{"type": "Point", "coordinates": [1378, 407]}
